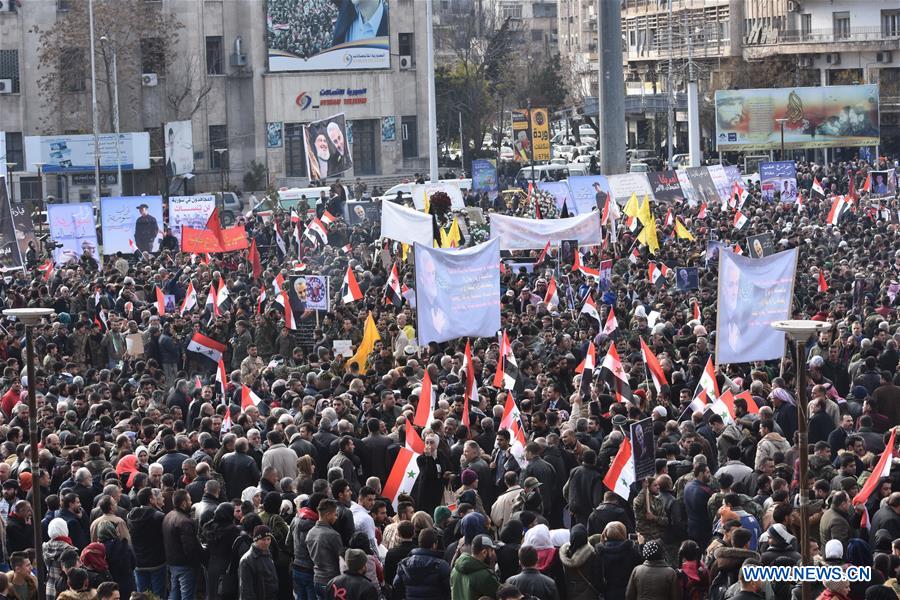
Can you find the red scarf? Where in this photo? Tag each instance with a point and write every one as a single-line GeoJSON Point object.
{"type": "Point", "coordinates": [64, 538]}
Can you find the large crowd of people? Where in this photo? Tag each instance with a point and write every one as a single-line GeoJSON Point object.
{"type": "Point", "coordinates": [154, 484]}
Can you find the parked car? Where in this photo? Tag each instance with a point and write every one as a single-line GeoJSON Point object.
{"type": "Point", "coordinates": [230, 207]}
{"type": "Point", "coordinates": [639, 167]}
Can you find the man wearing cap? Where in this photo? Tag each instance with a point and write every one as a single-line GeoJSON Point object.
{"type": "Point", "coordinates": [257, 575]}
{"type": "Point", "coordinates": [352, 584]}
{"type": "Point", "coordinates": [473, 574]}
{"type": "Point", "coordinates": [146, 229]}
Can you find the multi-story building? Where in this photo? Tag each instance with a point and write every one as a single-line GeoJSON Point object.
{"type": "Point", "coordinates": [578, 45]}
{"type": "Point", "coordinates": [216, 73]}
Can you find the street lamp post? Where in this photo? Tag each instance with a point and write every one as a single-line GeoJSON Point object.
{"type": "Point", "coordinates": [800, 331]}
{"type": "Point", "coordinates": [31, 317]}
{"type": "Point", "coordinates": [781, 122]}
{"type": "Point", "coordinates": [9, 181]}
{"type": "Point", "coordinates": [115, 83]}
{"type": "Point", "coordinates": [40, 203]}
{"type": "Point", "coordinates": [221, 152]}
{"type": "Point", "coordinates": [157, 162]}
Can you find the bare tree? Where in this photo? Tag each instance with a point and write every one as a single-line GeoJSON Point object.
{"type": "Point", "coordinates": [186, 87]}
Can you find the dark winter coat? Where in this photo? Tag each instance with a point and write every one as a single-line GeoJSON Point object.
{"type": "Point", "coordinates": [145, 525]}
{"type": "Point", "coordinates": [180, 540]}
{"type": "Point", "coordinates": [423, 575]}
{"type": "Point", "coordinates": [258, 579]}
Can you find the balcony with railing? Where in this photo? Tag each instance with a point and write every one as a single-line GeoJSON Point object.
{"type": "Point", "coordinates": [793, 41]}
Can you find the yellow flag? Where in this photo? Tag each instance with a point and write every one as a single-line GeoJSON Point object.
{"type": "Point", "coordinates": [648, 233]}
{"type": "Point", "coordinates": [681, 231]}
{"type": "Point", "coordinates": [644, 215]}
{"type": "Point", "coordinates": [454, 237]}
{"type": "Point", "coordinates": [405, 248]}
{"type": "Point", "coordinates": [370, 336]}
{"type": "Point", "coordinates": [631, 207]}
{"type": "Point", "coordinates": [445, 239]}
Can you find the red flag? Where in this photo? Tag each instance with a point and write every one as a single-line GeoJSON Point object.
{"type": "Point", "coordinates": [47, 269]}
{"type": "Point", "coordinates": [425, 407]}
{"type": "Point", "coordinates": [823, 285]}
{"type": "Point", "coordinates": [350, 291]}
{"type": "Point", "coordinates": [222, 378]}
{"type": "Point", "coordinates": [611, 322]}
{"type": "Point", "coordinates": [551, 298]}
{"type": "Point", "coordinates": [621, 472]}
{"type": "Point", "coordinates": [255, 262]}
{"type": "Point", "coordinates": [817, 187]}
{"type": "Point", "coordinates": [160, 302]}
{"type": "Point", "coordinates": [288, 312]}
{"type": "Point", "coordinates": [653, 367]}
{"type": "Point", "coordinates": [543, 253]}
{"type": "Point", "coordinates": [696, 307]}
{"type": "Point", "coordinates": [702, 213]}
{"type": "Point", "coordinates": [471, 394]}
{"type": "Point", "coordinates": [248, 398]}
{"type": "Point", "coordinates": [882, 469]}
{"type": "Point", "coordinates": [867, 184]}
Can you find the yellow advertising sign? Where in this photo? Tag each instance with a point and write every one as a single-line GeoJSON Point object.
{"type": "Point", "coordinates": [540, 129]}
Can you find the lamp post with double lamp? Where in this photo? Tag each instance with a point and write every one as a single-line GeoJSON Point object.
{"type": "Point", "coordinates": [781, 122]}
{"type": "Point", "coordinates": [9, 181]}
{"type": "Point", "coordinates": [36, 213]}
{"type": "Point", "coordinates": [31, 317]}
{"type": "Point", "coordinates": [799, 331]}
{"type": "Point", "coordinates": [157, 162]}
{"type": "Point", "coordinates": [221, 152]}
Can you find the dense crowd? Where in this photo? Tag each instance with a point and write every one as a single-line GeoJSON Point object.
{"type": "Point", "coordinates": [154, 483]}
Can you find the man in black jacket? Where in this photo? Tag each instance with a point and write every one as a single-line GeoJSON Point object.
{"type": "Point", "coordinates": [583, 490]}
{"type": "Point", "coordinates": [530, 581]}
{"type": "Point", "coordinates": [608, 511]}
{"type": "Point", "coordinates": [257, 575]}
{"type": "Point", "coordinates": [145, 523]}
{"type": "Point", "coordinates": [172, 460]}
{"type": "Point", "coordinates": [19, 532]}
{"type": "Point", "coordinates": [76, 519]}
{"type": "Point", "coordinates": [424, 574]}
{"type": "Point", "coordinates": [373, 451]}
{"type": "Point", "coordinates": [353, 583]}
{"type": "Point", "coordinates": [183, 551]}
{"type": "Point", "coordinates": [239, 469]}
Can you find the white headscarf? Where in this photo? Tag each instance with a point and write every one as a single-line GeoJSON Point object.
{"type": "Point", "coordinates": [538, 537]}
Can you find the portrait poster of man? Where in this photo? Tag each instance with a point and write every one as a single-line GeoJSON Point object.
{"type": "Point", "coordinates": [687, 278]}
{"type": "Point", "coordinates": [179, 148]}
{"type": "Point", "coordinates": [131, 223]}
{"type": "Point", "coordinates": [761, 245]}
{"type": "Point", "coordinates": [363, 213]}
{"type": "Point", "coordinates": [10, 257]}
{"type": "Point", "coordinates": [72, 226]}
{"type": "Point", "coordinates": [642, 445]}
{"type": "Point", "coordinates": [308, 292]}
{"type": "Point", "coordinates": [883, 183]}
{"type": "Point", "coordinates": [567, 250]}
{"type": "Point", "coordinates": [327, 150]}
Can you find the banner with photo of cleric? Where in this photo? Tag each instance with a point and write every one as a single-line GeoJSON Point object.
{"type": "Point", "coordinates": [364, 212]}
{"type": "Point", "coordinates": [10, 257]}
{"type": "Point", "coordinates": [179, 148]}
{"type": "Point", "coordinates": [327, 149]}
{"type": "Point", "coordinates": [189, 211]}
{"type": "Point", "coordinates": [761, 245]}
{"type": "Point", "coordinates": [72, 227]}
{"type": "Point", "coordinates": [687, 278]}
{"type": "Point", "coordinates": [778, 180]}
{"type": "Point", "coordinates": [131, 223]}
{"type": "Point", "coordinates": [308, 292]}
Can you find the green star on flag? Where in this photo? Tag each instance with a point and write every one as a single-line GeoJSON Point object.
{"type": "Point", "coordinates": [411, 474]}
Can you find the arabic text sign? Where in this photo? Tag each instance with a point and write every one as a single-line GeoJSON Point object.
{"type": "Point", "coordinates": [72, 225]}
{"type": "Point", "coordinates": [75, 153]}
{"type": "Point", "coordinates": [189, 211]}
{"type": "Point", "coordinates": [778, 177]}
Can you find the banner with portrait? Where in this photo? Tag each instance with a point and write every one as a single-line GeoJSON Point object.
{"type": "Point", "coordinates": [179, 148]}
{"type": "Point", "coordinates": [778, 180]}
{"type": "Point", "coordinates": [762, 245]}
{"type": "Point", "coordinates": [189, 211]}
{"type": "Point", "coordinates": [703, 185]}
{"type": "Point", "coordinates": [326, 35]}
{"type": "Point", "coordinates": [665, 187]}
{"type": "Point", "coordinates": [516, 233]}
{"type": "Point", "coordinates": [687, 187]}
{"type": "Point", "coordinates": [10, 256]}
{"type": "Point", "coordinates": [421, 191]}
{"type": "Point", "coordinates": [624, 185]}
{"type": "Point", "coordinates": [21, 215]}
{"type": "Point", "coordinates": [72, 226]}
{"type": "Point", "coordinates": [720, 180]}
{"type": "Point", "coordinates": [642, 448]}
{"type": "Point", "coordinates": [753, 293]}
{"type": "Point", "coordinates": [586, 192]}
{"type": "Point", "coordinates": [363, 212]}
{"type": "Point", "coordinates": [687, 278]}
{"type": "Point", "coordinates": [327, 149]}
{"type": "Point", "coordinates": [883, 183]}
{"type": "Point", "coordinates": [484, 175]}
{"type": "Point", "coordinates": [131, 223]}
{"type": "Point", "coordinates": [457, 292]}
{"type": "Point", "coordinates": [309, 292]}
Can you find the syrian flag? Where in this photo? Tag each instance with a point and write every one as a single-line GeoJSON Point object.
{"type": "Point", "coordinates": [160, 302]}
{"type": "Point", "coordinates": [208, 347]}
{"type": "Point", "coordinates": [392, 294]}
{"type": "Point", "coordinates": [579, 266]}
{"type": "Point", "coordinates": [670, 218]}
{"type": "Point", "coordinates": [551, 298]}
{"type": "Point", "coordinates": [327, 218]}
{"type": "Point", "coordinates": [817, 187]}
{"type": "Point", "coordinates": [289, 321]}
{"type": "Point", "coordinates": [738, 196]}
{"type": "Point", "coordinates": [278, 285]}
{"type": "Point", "coordinates": [222, 378]}
{"type": "Point", "coordinates": [507, 367]}
{"type": "Point", "coordinates": [347, 249]}
{"type": "Point", "coordinates": [708, 382]}
{"type": "Point", "coordinates": [747, 397]}
{"type": "Point", "coordinates": [211, 305]}
{"type": "Point", "coordinates": [586, 369]}
{"type": "Point", "coordinates": [612, 372]}
{"type": "Point", "coordinates": [295, 217]}
{"type": "Point", "coordinates": [47, 269]}
{"type": "Point", "coordinates": [631, 223]}
{"type": "Point", "coordinates": [653, 273]}
{"type": "Point", "coordinates": [740, 219]}
{"type": "Point", "coordinates": [261, 301]}
{"type": "Point", "coordinates": [823, 285]}
{"type": "Point", "coordinates": [298, 240]}
{"type": "Point", "coordinates": [653, 367]}
{"type": "Point", "coordinates": [621, 472]}
{"type": "Point", "coordinates": [471, 393]}
{"type": "Point", "coordinates": [838, 208]}
{"type": "Point", "coordinates": [696, 310]}
{"type": "Point", "coordinates": [800, 202]}
{"type": "Point", "coordinates": [511, 421]}
{"type": "Point", "coordinates": [100, 320]}
{"type": "Point", "coordinates": [544, 253]}
{"type": "Point", "coordinates": [634, 256]}
{"type": "Point", "coordinates": [425, 407]}
{"type": "Point", "coordinates": [319, 228]}
{"type": "Point", "coordinates": [611, 322]}
{"type": "Point", "coordinates": [279, 240]}
{"type": "Point", "coordinates": [248, 398]}
{"type": "Point", "coordinates": [738, 250]}
{"type": "Point", "coordinates": [724, 407]}
{"type": "Point", "coordinates": [881, 470]}
{"type": "Point", "coordinates": [350, 289]}
{"type": "Point", "coordinates": [702, 213]}
{"type": "Point", "coordinates": [590, 309]}
{"type": "Point", "coordinates": [403, 475]}
{"type": "Point", "coordinates": [409, 294]}
{"type": "Point", "coordinates": [727, 400]}
{"type": "Point", "coordinates": [222, 295]}
{"type": "Point", "coordinates": [226, 420]}
{"type": "Point", "coordinates": [698, 404]}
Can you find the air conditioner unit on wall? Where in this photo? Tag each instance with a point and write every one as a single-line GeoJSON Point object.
{"type": "Point", "coordinates": [6, 86]}
{"type": "Point", "coordinates": [805, 62]}
{"type": "Point", "coordinates": [405, 62]}
{"type": "Point", "coordinates": [884, 57]}
{"type": "Point", "coordinates": [833, 59]}
{"type": "Point", "coordinates": [149, 80]}
{"type": "Point", "coordinates": [794, 6]}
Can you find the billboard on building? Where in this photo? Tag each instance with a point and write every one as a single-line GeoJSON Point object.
{"type": "Point", "coordinates": [75, 153]}
{"type": "Point", "coordinates": [816, 117]}
{"type": "Point", "coordinates": [328, 35]}
{"type": "Point", "coordinates": [179, 148]}
{"type": "Point", "coordinates": [327, 150]}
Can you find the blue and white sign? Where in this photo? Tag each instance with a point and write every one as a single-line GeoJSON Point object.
{"type": "Point", "coordinates": [75, 153]}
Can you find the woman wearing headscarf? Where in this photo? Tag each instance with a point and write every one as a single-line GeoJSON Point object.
{"type": "Point", "coordinates": [58, 532]}
{"type": "Point", "coordinates": [548, 562]}
{"type": "Point", "coordinates": [281, 553]}
{"type": "Point", "coordinates": [127, 469]}
{"type": "Point", "coordinates": [859, 554]}
{"type": "Point", "coordinates": [654, 579]}
{"type": "Point", "coordinates": [93, 558]}
{"type": "Point", "coordinates": [618, 556]}
{"type": "Point", "coordinates": [508, 554]}
{"type": "Point", "coordinates": [119, 557]}
{"type": "Point", "coordinates": [218, 536]}
{"type": "Point", "coordinates": [581, 566]}
{"type": "Point", "coordinates": [428, 491]}
{"type": "Point", "coordinates": [471, 525]}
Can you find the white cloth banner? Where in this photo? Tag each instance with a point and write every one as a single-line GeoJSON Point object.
{"type": "Point", "coordinates": [516, 233]}
{"type": "Point", "coordinates": [405, 224]}
{"type": "Point", "coordinates": [753, 293]}
{"type": "Point", "coordinates": [458, 292]}
{"type": "Point", "coordinates": [189, 211]}
{"type": "Point", "coordinates": [421, 190]}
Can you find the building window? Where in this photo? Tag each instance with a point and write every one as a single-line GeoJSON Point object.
{"type": "Point", "coordinates": [218, 140]}
{"type": "Point", "coordinates": [14, 151]}
{"type": "Point", "coordinates": [9, 68]}
{"type": "Point", "coordinates": [153, 56]}
{"type": "Point", "coordinates": [537, 35]}
{"type": "Point", "coordinates": [890, 23]}
{"type": "Point", "coordinates": [215, 55]}
{"type": "Point", "coordinates": [71, 70]}
{"type": "Point", "coordinates": [63, 5]}
{"type": "Point", "coordinates": [29, 188]}
{"type": "Point", "coordinates": [511, 11]}
{"type": "Point", "coordinates": [294, 150]}
{"type": "Point", "coordinates": [805, 25]}
{"type": "Point", "coordinates": [406, 46]}
{"type": "Point", "coordinates": [841, 24]}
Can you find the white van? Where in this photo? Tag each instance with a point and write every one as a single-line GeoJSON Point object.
{"type": "Point", "coordinates": [544, 173]}
{"type": "Point", "coordinates": [405, 189]}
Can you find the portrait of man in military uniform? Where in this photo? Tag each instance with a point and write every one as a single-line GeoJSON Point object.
{"type": "Point", "coordinates": [146, 229]}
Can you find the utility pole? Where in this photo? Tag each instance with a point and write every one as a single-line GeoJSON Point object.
{"type": "Point", "coordinates": [432, 104]}
{"type": "Point", "coordinates": [611, 95]}
{"type": "Point", "coordinates": [670, 98]}
{"type": "Point", "coordinates": [692, 102]}
{"type": "Point", "coordinates": [96, 115]}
